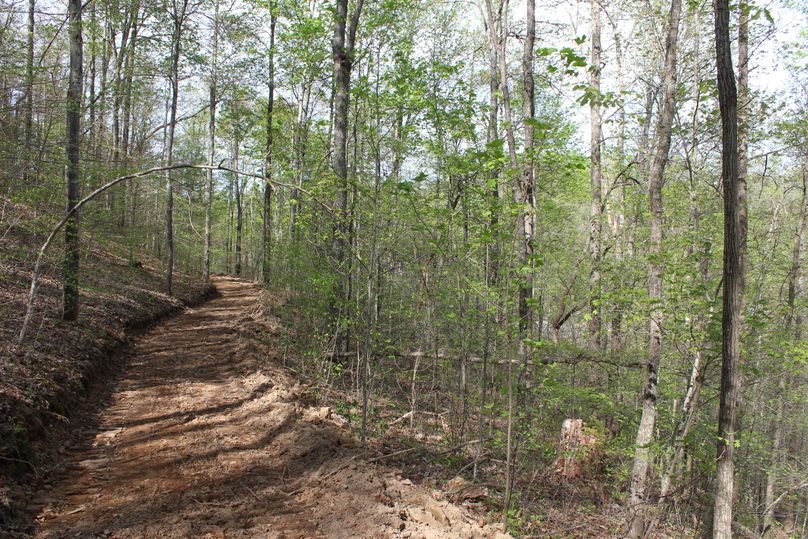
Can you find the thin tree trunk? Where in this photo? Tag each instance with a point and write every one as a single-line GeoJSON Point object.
{"type": "Point", "coordinates": [239, 196]}
{"type": "Point", "coordinates": [93, 67]}
{"type": "Point", "coordinates": [492, 251]}
{"type": "Point", "coordinates": [266, 238]}
{"type": "Point", "coordinates": [619, 211]}
{"type": "Point", "coordinates": [497, 36]}
{"type": "Point", "coordinates": [178, 14]}
{"type": "Point", "coordinates": [528, 188]}
{"type": "Point", "coordinates": [212, 97]}
{"type": "Point", "coordinates": [645, 432]}
{"type": "Point", "coordinates": [129, 67]}
{"type": "Point", "coordinates": [596, 180]}
{"type": "Point", "coordinates": [70, 294]}
{"type": "Point", "coordinates": [343, 51]}
{"type": "Point", "coordinates": [29, 95]}
{"type": "Point", "coordinates": [733, 276]}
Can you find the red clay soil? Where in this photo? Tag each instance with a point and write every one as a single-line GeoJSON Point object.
{"type": "Point", "coordinates": [208, 436]}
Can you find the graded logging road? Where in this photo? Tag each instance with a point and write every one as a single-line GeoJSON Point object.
{"type": "Point", "coordinates": [206, 435]}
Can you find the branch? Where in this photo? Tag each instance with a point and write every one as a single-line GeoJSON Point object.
{"type": "Point", "coordinates": [29, 311]}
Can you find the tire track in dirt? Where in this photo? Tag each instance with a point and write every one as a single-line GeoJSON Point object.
{"type": "Point", "coordinates": [207, 436]}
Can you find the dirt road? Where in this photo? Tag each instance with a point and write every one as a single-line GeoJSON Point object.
{"type": "Point", "coordinates": [208, 436]}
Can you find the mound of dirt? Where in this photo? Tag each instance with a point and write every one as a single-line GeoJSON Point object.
{"type": "Point", "coordinates": [208, 436]}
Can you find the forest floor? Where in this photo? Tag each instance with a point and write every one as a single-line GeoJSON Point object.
{"type": "Point", "coordinates": [206, 434]}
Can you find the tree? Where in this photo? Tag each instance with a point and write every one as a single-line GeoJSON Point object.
{"type": "Point", "coordinates": [733, 276]}
{"type": "Point", "coordinates": [212, 101]}
{"type": "Point", "coordinates": [645, 431]}
{"type": "Point", "coordinates": [70, 292]}
{"type": "Point", "coordinates": [596, 177]}
{"type": "Point", "coordinates": [343, 46]}
{"type": "Point", "coordinates": [178, 13]}
{"type": "Point", "coordinates": [266, 238]}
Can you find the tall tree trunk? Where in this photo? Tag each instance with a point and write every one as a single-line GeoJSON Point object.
{"type": "Point", "coordinates": [645, 431]}
{"type": "Point", "coordinates": [497, 36]}
{"type": "Point", "coordinates": [528, 187]}
{"type": "Point", "coordinates": [103, 90]}
{"type": "Point", "coordinates": [343, 52]}
{"type": "Point", "coordinates": [733, 275]}
{"type": "Point", "coordinates": [492, 248]}
{"type": "Point", "coordinates": [128, 210]}
{"type": "Point", "coordinates": [93, 68]}
{"type": "Point", "coordinates": [239, 197]}
{"type": "Point", "coordinates": [70, 293]}
{"type": "Point", "coordinates": [619, 210]}
{"type": "Point", "coordinates": [178, 14]}
{"type": "Point", "coordinates": [212, 97]}
{"type": "Point", "coordinates": [596, 180]}
{"type": "Point", "coordinates": [690, 402]}
{"type": "Point", "coordinates": [117, 102]}
{"type": "Point", "coordinates": [29, 96]}
{"type": "Point", "coordinates": [266, 238]}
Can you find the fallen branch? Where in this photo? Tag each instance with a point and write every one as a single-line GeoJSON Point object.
{"type": "Point", "coordinates": [400, 419]}
{"type": "Point", "coordinates": [411, 449]}
{"type": "Point", "coordinates": [569, 359]}
{"type": "Point", "coordinates": [10, 459]}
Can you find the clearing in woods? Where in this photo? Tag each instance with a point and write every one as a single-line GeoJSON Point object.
{"type": "Point", "coordinates": [208, 436]}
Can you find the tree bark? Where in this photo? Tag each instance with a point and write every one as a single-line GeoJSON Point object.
{"type": "Point", "coordinates": [178, 14]}
{"type": "Point", "coordinates": [645, 432]}
{"type": "Point", "coordinates": [596, 179]}
{"type": "Point", "coordinates": [343, 55]}
{"type": "Point", "coordinates": [733, 275]}
{"type": "Point", "coordinates": [70, 292]}
{"type": "Point", "coordinates": [266, 238]}
{"type": "Point", "coordinates": [212, 97]}
{"type": "Point", "coordinates": [29, 95]}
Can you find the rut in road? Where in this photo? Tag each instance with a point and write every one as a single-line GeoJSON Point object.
{"type": "Point", "coordinates": [208, 436]}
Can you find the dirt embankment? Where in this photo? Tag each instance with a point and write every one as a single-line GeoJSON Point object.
{"type": "Point", "coordinates": [44, 382]}
{"type": "Point", "coordinates": [208, 436]}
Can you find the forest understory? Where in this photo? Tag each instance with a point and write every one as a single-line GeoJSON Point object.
{"type": "Point", "coordinates": [215, 423]}
{"type": "Point", "coordinates": [544, 260]}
